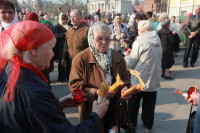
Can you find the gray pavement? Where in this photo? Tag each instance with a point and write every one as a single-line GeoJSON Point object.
{"type": "Point", "coordinates": [171, 112]}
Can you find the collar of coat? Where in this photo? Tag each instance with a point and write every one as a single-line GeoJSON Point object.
{"type": "Point", "coordinates": [80, 26]}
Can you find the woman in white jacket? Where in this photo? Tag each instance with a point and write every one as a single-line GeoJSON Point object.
{"type": "Point", "coordinates": [145, 57]}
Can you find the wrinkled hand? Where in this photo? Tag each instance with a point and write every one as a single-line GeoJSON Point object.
{"type": "Point", "coordinates": [192, 34]}
{"type": "Point", "coordinates": [68, 101]}
{"type": "Point", "coordinates": [63, 63]}
{"type": "Point", "coordinates": [101, 108]}
{"type": "Point", "coordinates": [194, 98]}
{"type": "Point", "coordinates": [125, 98]}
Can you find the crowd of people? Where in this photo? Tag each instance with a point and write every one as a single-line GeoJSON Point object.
{"type": "Point", "coordinates": [88, 52]}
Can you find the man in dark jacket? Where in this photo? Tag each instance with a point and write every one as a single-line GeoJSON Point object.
{"type": "Point", "coordinates": [193, 28]}
{"type": "Point", "coordinates": [76, 38]}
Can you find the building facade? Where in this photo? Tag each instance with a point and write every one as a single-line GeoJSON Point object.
{"type": "Point", "coordinates": [156, 6]}
{"type": "Point", "coordinates": [107, 6]}
{"type": "Point", "coordinates": [181, 7]}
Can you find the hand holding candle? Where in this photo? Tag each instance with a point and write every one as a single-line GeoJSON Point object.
{"type": "Point", "coordinates": [103, 91]}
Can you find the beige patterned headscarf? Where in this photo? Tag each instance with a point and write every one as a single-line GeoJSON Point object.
{"type": "Point", "coordinates": [104, 60]}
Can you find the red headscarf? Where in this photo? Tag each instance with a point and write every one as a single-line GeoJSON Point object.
{"type": "Point", "coordinates": [25, 35]}
{"type": "Point", "coordinates": [33, 16]}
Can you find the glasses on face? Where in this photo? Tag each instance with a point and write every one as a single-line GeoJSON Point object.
{"type": "Point", "coordinates": [9, 12]}
{"type": "Point", "coordinates": [100, 40]}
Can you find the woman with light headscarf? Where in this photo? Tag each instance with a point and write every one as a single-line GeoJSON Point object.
{"type": "Point", "coordinates": [60, 30]}
{"type": "Point", "coordinates": [8, 15]}
{"type": "Point", "coordinates": [94, 65]}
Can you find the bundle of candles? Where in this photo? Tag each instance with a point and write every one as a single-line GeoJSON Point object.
{"type": "Point", "coordinates": [117, 84]}
{"type": "Point", "coordinates": [103, 91]}
{"type": "Point", "coordinates": [135, 89]}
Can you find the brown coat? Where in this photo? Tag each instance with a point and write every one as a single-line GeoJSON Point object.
{"type": "Point", "coordinates": [76, 41]}
{"type": "Point", "coordinates": [87, 74]}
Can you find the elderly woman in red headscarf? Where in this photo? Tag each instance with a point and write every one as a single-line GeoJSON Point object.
{"type": "Point", "coordinates": [27, 104]}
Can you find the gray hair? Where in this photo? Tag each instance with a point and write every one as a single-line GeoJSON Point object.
{"type": "Point", "coordinates": [26, 55]}
{"type": "Point", "coordinates": [165, 22]}
{"type": "Point", "coordinates": [11, 50]}
{"type": "Point", "coordinates": [78, 11]}
{"type": "Point", "coordinates": [99, 26]}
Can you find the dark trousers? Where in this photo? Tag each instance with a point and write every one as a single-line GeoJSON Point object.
{"type": "Point", "coordinates": [195, 52]}
{"type": "Point", "coordinates": [61, 71]}
{"type": "Point", "coordinates": [148, 107]}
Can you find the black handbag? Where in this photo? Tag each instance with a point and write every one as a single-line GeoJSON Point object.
{"type": "Point", "coordinates": [127, 126]}
{"type": "Point", "coordinates": [190, 125]}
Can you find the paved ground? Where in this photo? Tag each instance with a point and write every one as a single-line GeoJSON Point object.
{"type": "Point", "coordinates": [172, 111]}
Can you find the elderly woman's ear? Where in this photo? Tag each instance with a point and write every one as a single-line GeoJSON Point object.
{"type": "Point", "coordinates": [34, 52]}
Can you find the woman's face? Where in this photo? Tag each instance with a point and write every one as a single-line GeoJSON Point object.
{"type": "Point", "coordinates": [101, 40]}
{"type": "Point", "coordinates": [64, 20]}
{"type": "Point", "coordinates": [43, 55]}
{"type": "Point", "coordinates": [172, 19]}
{"type": "Point", "coordinates": [118, 20]}
{"type": "Point", "coordinates": [7, 15]}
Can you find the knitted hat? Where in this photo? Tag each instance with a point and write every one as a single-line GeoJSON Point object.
{"type": "Point", "coordinates": [145, 25]}
{"type": "Point", "coordinates": [165, 22]}
{"type": "Point", "coordinates": [33, 16]}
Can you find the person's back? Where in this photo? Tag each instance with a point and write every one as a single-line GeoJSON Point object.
{"type": "Point", "coordinates": [149, 51]}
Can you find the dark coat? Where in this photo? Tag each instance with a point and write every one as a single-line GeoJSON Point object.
{"type": "Point", "coordinates": [59, 32]}
{"type": "Point", "coordinates": [87, 74]}
{"type": "Point", "coordinates": [167, 42]}
{"type": "Point", "coordinates": [35, 109]}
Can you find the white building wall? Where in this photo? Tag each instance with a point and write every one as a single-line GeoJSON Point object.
{"type": "Point", "coordinates": [119, 6]}
{"type": "Point", "coordinates": [126, 7]}
{"type": "Point", "coordinates": [178, 11]}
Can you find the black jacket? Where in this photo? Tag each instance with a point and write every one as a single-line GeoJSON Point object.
{"type": "Point", "coordinates": [59, 32]}
{"type": "Point", "coordinates": [35, 109]}
{"type": "Point", "coordinates": [193, 25]}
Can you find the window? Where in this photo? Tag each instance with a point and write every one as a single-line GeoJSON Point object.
{"type": "Point", "coordinates": [183, 13]}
